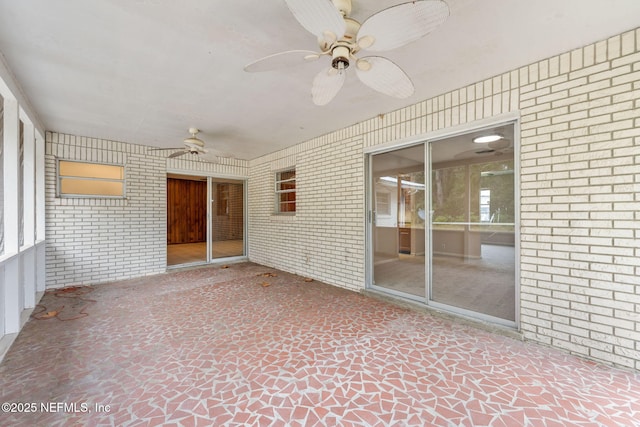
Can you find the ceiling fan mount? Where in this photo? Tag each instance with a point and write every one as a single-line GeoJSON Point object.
{"type": "Point", "coordinates": [342, 37]}
{"type": "Point", "coordinates": [343, 6]}
{"type": "Point", "coordinates": [192, 145]}
{"type": "Point", "coordinates": [193, 142]}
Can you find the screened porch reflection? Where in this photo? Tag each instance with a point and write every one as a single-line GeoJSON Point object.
{"type": "Point", "coordinates": [399, 226]}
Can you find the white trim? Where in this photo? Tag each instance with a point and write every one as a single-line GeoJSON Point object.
{"type": "Point", "coordinates": [206, 174]}
{"type": "Point", "coordinates": [29, 185]}
{"type": "Point", "coordinates": [11, 170]}
{"type": "Point", "coordinates": [517, 182]}
{"type": "Point", "coordinates": [40, 188]}
{"type": "Point", "coordinates": [444, 133]}
{"type": "Point", "coordinates": [10, 89]}
{"type": "Point", "coordinates": [278, 191]}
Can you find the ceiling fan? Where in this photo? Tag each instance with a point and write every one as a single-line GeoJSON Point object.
{"type": "Point", "coordinates": [341, 38]}
{"type": "Point", "coordinates": [192, 145]}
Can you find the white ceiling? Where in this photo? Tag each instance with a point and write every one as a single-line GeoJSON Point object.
{"type": "Point", "coordinates": [144, 71]}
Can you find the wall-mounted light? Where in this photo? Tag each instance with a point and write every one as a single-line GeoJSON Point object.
{"type": "Point", "coordinates": [487, 138]}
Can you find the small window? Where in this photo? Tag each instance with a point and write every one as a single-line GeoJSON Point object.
{"type": "Point", "coordinates": [286, 191]}
{"type": "Point", "coordinates": [383, 203]}
{"type": "Point", "coordinates": [77, 179]}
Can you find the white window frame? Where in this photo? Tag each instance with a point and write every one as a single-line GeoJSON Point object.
{"type": "Point", "coordinates": [278, 190]}
{"type": "Point", "coordinates": [60, 177]}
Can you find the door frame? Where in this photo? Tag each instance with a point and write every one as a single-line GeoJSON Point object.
{"type": "Point", "coordinates": [209, 232]}
{"type": "Point", "coordinates": [371, 214]}
{"type": "Point", "coordinates": [426, 138]}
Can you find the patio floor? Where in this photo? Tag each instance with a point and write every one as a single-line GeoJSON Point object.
{"type": "Point", "coordinates": [249, 345]}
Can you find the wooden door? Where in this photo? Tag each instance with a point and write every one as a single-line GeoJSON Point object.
{"type": "Point", "coordinates": [404, 240]}
{"type": "Point", "coordinates": [186, 211]}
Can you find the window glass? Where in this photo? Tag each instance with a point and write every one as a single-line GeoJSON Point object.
{"type": "Point", "coordinates": [21, 186]}
{"type": "Point", "coordinates": [383, 206]}
{"type": "Point", "coordinates": [448, 197]}
{"type": "Point", "coordinates": [90, 179]}
{"type": "Point", "coordinates": [398, 226]}
{"type": "Point", "coordinates": [473, 242]}
{"type": "Point", "coordinates": [91, 170]}
{"type": "Point", "coordinates": [286, 191]}
{"type": "Point", "coordinates": [222, 205]}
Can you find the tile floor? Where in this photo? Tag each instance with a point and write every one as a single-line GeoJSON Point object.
{"type": "Point", "coordinates": [186, 253]}
{"type": "Point", "coordinates": [214, 346]}
{"type": "Point", "coordinates": [485, 285]}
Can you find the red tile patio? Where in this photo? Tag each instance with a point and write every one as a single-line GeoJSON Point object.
{"type": "Point", "coordinates": [234, 346]}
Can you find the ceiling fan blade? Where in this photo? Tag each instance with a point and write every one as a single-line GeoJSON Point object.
{"type": "Point", "coordinates": [177, 154]}
{"type": "Point", "coordinates": [318, 16]}
{"type": "Point", "coordinates": [384, 76]}
{"type": "Point", "coordinates": [326, 85]}
{"type": "Point", "coordinates": [401, 24]}
{"type": "Point", "coordinates": [282, 60]}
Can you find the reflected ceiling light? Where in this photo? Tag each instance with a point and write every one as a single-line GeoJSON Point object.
{"type": "Point", "coordinates": [487, 138]}
{"type": "Point", "coordinates": [404, 184]}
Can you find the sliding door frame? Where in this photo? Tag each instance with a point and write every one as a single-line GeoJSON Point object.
{"type": "Point", "coordinates": [371, 218]}
{"type": "Point", "coordinates": [512, 118]}
{"type": "Point", "coordinates": [210, 214]}
{"type": "Point", "coordinates": [209, 232]}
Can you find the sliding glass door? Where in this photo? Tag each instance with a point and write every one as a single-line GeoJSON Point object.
{"type": "Point", "coordinates": [473, 230]}
{"type": "Point", "coordinates": [399, 213]}
{"type": "Point", "coordinates": [205, 219]}
{"type": "Point", "coordinates": [442, 227]}
{"type": "Point", "coordinates": [227, 218]}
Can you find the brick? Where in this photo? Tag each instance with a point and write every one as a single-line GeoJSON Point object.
{"type": "Point", "coordinates": [578, 183]}
{"type": "Point", "coordinates": [610, 74]}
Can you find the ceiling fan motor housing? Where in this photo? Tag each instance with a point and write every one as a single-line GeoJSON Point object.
{"type": "Point", "coordinates": [346, 47]}
{"type": "Point", "coordinates": [342, 38]}
{"type": "Point", "coordinates": [340, 55]}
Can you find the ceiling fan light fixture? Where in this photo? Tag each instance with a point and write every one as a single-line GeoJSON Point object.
{"type": "Point", "coordinates": [363, 65]}
{"type": "Point", "coordinates": [366, 41]}
{"type": "Point", "coordinates": [328, 38]}
{"type": "Point", "coordinates": [340, 56]}
{"type": "Point", "coordinates": [483, 139]}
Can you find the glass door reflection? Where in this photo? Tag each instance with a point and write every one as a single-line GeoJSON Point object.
{"type": "Point", "coordinates": [227, 218]}
{"type": "Point", "coordinates": [398, 231]}
{"type": "Point", "coordinates": [472, 225]}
